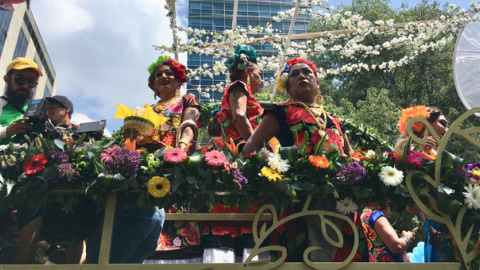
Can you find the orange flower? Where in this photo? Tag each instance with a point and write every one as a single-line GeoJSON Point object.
{"type": "Point", "coordinates": [357, 156]}
{"type": "Point", "coordinates": [409, 113]}
{"type": "Point", "coordinates": [232, 147]}
{"type": "Point", "coordinates": [319, 162]}
{"type": "Point", "coordinates": [130, 144]}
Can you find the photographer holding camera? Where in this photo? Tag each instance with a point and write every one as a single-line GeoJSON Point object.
{"type": "Point", "coordinates": [52, 224]}
{"type": "Point", "coordinates": [21, 78]}
{"type": "Point", "coordinates": [60, 110]}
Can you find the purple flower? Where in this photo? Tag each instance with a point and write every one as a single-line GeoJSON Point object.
{"type": "Point", "coordinates": [58, 156]}
{"type": "Point", "coordinates": [239, 179]}
{"type": "Point", "coordinates": [470, 167]}
{"type": "Point", "coordinates": [123, 161]}
{"type": "Point", "coordinates": [354, 172]}
{"type": "Point", "coordinates": [67, 174]}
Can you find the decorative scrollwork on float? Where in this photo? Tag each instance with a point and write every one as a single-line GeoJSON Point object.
{"type": "Point", "coordinates": [261, 235]}
{"type": "Point", "coordinates": [454, 225]}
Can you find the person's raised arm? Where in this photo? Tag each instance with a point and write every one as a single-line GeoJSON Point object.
{"type": "Point", "coordinates": [388, 235]}
{"type": "Point", "coordinates": [188, 129]}
{"type": "Point", "coordinates": [238, 105]}
{"type": "Point", "coordinates": [268, 128]}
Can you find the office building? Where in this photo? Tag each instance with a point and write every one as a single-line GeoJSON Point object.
{"type": "Point", "coordinates": [216, 15]}
{"type": "Point", "coordinates": [20, 37]}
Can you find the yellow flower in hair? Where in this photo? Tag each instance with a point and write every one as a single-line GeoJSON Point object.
{"type": "Point", "coordinates": [281, 82]}
{"type": "Point", "coordinates": [158, 186]}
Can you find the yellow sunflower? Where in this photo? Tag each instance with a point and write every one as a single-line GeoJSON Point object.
{"type": "Point", "coordinates": [158, 186]}
{"type": "Point", "coordinates": [271, 174]}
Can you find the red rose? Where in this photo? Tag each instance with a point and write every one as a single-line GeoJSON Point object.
{"type": "Point", "coordinates": [180, 74]}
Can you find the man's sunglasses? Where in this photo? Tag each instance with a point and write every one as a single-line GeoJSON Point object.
{"type": "Point", "coordinates": [21, 81]}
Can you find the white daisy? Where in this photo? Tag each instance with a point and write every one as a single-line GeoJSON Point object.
{"type": "Point", "coordinates": [391, 176]}
{"type": "Point", "coordinates": [346, 206]}
{"type": "Point", "coordinates": [276, 162]}
{"type": "Point", "coordinates": [472, 197]}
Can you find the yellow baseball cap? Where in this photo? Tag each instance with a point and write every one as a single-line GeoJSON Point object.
{"type": "Point", "coordinates": [21, 63]}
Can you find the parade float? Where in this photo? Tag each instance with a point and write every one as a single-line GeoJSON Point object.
{"type": "Point", "coordinates": [444, 187]}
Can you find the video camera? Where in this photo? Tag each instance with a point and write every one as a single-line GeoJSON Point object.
{"type": "Point", "coordinates": [41, 124]}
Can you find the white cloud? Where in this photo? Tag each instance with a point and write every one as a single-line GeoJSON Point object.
{"type": "Point", "coordinates": [104, 61]}
{"type": "Point", "coordinates": [68, 18]}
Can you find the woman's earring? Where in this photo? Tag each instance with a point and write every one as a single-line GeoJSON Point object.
{"type": "Point", "coordinates": [248, 79]}
{"type": "Point", "coordinates": [319, 97]}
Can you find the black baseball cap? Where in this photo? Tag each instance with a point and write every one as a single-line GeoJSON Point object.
{"type": "Point", "coordinates": [63, 100]}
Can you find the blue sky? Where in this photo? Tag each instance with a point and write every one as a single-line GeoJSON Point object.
{"type": "Point", "coordinates": [101, 49]}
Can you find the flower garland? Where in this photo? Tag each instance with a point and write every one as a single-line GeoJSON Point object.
{"type": "Point", "coordinates": [420, 37]}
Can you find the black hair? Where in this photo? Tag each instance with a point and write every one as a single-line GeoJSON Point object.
{"type": "Point", "coordinates": [237, 73]}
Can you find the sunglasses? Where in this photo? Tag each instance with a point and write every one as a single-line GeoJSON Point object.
{"type": "Point", "coordinates": [21, 81]}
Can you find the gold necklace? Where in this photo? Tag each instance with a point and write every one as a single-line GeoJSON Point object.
{"type": "Point", "coordinates": [315, 115]}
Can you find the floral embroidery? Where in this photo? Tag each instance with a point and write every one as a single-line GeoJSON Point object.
{"type": "Point", "coordinates": [300, 121]}
{"type": "Point", "coordinates": [254, 112]}
{"type": "Point", "coordinates": [378, 251]}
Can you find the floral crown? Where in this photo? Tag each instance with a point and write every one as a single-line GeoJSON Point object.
{"type": "Point", "coordinates": [179, 69]}
{"type": "Point", "coordinates": [409, 113]}
{"type": "Point", "coordinates": [282, 79]}
{"type": "Point", "coordinates": [240, 57]}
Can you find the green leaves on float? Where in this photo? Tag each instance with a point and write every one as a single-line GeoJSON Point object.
{"type": "Point", "coordinates": [289, 153]}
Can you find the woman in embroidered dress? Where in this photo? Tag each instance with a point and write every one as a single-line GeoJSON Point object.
{"type": "Point", "coordinates": [299, 118]}
{"type": "Point", "coordinates": [136, 233]}
{"type": "Point", "coordinates": [240, 115]}
{"type": "Point", "coordinates": [179, 242]}
{"type": "Point", "coordinates": [291, 121]}
{"type": "Point", "coordinates": [383, 243]}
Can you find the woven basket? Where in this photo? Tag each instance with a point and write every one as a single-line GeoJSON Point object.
{"type": "Point", "coordinates": [142, 125]}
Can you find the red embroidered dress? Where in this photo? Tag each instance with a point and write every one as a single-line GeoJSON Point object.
{"type": "Point", "coordinates": [294, 119]}
{"type": "Point", "coordinates": [254, 111]}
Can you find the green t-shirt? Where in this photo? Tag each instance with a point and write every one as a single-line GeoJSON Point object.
{"type": "Point", "coordinates": [10, 114]}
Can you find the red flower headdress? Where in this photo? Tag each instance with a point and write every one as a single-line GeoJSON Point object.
{"type": "Point", "coordinates": [282, 79]}
{"type": "Point", "coordinates": [179, 69]}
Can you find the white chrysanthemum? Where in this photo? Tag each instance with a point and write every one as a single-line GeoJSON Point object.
{"type": "Point", "coordinates": [391, 176]}
{"type": "Point", "coordinates": [370, 155]}
{"type": "Point", "coordinates": [472, 196]}
{"type": "Point", "coordinates": [276, 162]}
{"type": "Point", "coordinates": [346, 206]}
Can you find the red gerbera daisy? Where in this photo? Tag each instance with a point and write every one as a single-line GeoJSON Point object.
{"type": "Point", "coordinates": [35, 164]}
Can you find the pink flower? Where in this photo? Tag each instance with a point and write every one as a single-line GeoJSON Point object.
{"type": "Point", "coordinates": [175, 155]}
{"type": "Point", "coordinates": [415, 158]}
{"type": "Point", "coordinates": [394, 156]}
{"type": "Point", "coordinates": [175, 107]}
{"type": "Point", "coordinates": [110, 154]}
{"type": "Point", "coordinates": [215, 158]}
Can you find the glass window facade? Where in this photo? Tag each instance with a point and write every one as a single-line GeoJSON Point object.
{"type": "Point", "coordinates": [216, 15]}
{"type": "Point", "coordinates": [5, 18]}
{"type": "Point", "coordinates": [22, 44]}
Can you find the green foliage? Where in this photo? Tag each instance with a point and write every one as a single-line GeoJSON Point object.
{"type": "Point", "coordinates": [374, 98]}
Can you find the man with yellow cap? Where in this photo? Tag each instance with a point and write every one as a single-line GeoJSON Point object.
{"type": "Point", "coordinates": [21, 78]}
